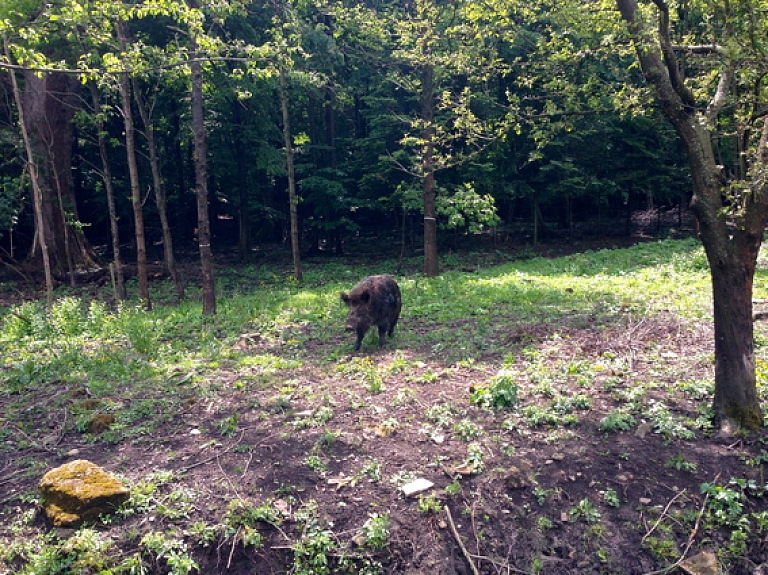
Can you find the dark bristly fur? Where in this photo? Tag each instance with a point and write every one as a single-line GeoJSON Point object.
{"type": "Point", "coordinates": [375, 301]}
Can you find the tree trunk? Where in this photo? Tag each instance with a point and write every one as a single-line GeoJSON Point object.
{"type": "Point", "coordinates": [36, 193]}
{"type": "Point", "coordinates": [731, 250]}
{"type": "Point", "coordinates": [292, 199]}
{"type": "Point", "coordinates": [49, 103]}
{"type": "Point", "coordinates": [243, 211]}
{"type": "Point", "coordinates": [106, 175]}
{"type": "Point", "coordinates": [431, 265]}
{"type": "Point", "coordinates": [133, 176]}
{"type": "Point", "coordinates": [735, 386]}
{"type": "Point", "coordinates": [201, 180]}
{"type": "Point", "coordinates": [160, 201]}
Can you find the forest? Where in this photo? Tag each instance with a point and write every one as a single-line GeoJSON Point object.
{"type": "Point", "coordinates": [470, 117]}
{"type": "Point", "coordinates": [187, 186]}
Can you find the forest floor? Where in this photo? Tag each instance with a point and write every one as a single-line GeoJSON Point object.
{"type": "Point", "coordinates": [558, 488]}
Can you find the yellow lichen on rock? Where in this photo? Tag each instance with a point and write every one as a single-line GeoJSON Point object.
{"type": "Point", "coordinates": [78, 491]}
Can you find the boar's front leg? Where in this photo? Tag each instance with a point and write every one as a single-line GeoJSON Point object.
{"type": "Point", "coordinates": [360, 335]}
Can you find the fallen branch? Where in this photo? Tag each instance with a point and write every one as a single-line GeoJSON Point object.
{"type": "Point", "coordinates": [691, 537]}
{"type": "Point", "coordinates": [456, 536]}
{"type": "Point", "coordinates": [661, 516]}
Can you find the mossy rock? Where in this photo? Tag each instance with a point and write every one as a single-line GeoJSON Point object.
{"type": "Point", "coordinates": [79, 491]}
{"type": "Point", "coordinates": [100, 422]}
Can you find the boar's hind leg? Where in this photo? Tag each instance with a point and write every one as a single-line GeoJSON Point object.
{"type": "Point", "coordinates": [382, 334]}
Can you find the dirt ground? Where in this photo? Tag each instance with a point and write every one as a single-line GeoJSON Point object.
{"type": "Point", "coordinates": [523, 511]}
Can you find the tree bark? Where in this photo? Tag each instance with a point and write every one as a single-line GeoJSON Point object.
{"type": "Point", "coordinates": [106, 175]}
{"type": "Point", "coordinates": [431, 266]}
{"type": "Point", "coordinates": [36, 193]}
{"type": "Point", "coordinates": [133, 176]}
{"type": "Point", "coordinates": [49, 103]}
{"type": "Point", "coordinates": [160, 201]}
{"type": "Point", "coordinates": [731, 250]}
{"type": "Point", "coordinates": [201, 179]}
{"type": "Point", "coordinates": [292, 199]}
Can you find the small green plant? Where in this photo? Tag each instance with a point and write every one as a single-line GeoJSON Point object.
{"type": "Point", "coordinates": [453, 488]}
{"type": "Point", "coordinates": [425, 378]}
{"type": "Point", "coordinates": [475, 457]}
{"type": "Point", "coordinates": [372, 470]}
{"type": "Point", "coordinates": [441, 415]}
{"type": "Point", "coordinates": [311, 551]}
{"type": "Point", "coordinates": [586, 511]}
{"type": "Point", "coordinates": [320, 416]}
{"type": "Point", "coordinates": [376, 531]}
{"type": "Point", "coordinates": [666, 424]}
{"type": "Point", "coordinates": [726, 503]}
{"type": "Point", "coordinates": [228, 425]}
{"type": "Point", "coordinates": [364, 369]}
{"type": "Point", "coordinates": [171, 550]}
{"type": "Point", "coordinates": [316, 464]}
{"type": "Point", "coordinates": [679, 462]}
{"type": "Point", "coordinates": [203, 533]}
{"type": "Point", "coordinates": [429, 503]}
{"type": "Point", "coordinates": [145, 496]}
{"type": "Point", "coordinates": [404, 396]}
{"type": "Point", "coordinates": [325, 441]}
{"type": "Point", "coordinates": [542, 494]}
{"type": "Point", "coordinates": [611, 498]}
{"type": "Point", "coordinates": [241, 512]}
{"type": "Point", "coordinates": [500, 392]}
{"type": "Point", "coordinates": [663, 548]}
{"type": "Point", "coordinates": [466, 429]}
{"type": "Point", "coordinates": [544, 523]}
{"type": "Point", "coordinates": [758, 460]}
{"type": "Point", "coordinates": [617, 420]}
{"type": "Point", "coordinates": [538, 416]}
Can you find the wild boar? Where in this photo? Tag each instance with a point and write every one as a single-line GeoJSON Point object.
{"type": "Point", "coordinates": [375, 301]}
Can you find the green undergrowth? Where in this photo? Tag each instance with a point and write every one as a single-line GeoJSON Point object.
{"type": "Point", "coordinates": [508, 326]}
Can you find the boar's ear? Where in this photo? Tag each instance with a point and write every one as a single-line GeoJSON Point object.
{"type": "Point", "coordinates": [365, 296]}
{"type": "Point", "coordinates": [345, 298]}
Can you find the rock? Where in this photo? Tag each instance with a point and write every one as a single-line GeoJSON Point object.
{"type": "Point", "coordinates": [100, 422]}
{"type": "Point", "coordinates": [417, 486]}
{"type": "Point", "coordinates": [643, 429]}
{"type": "Point", "coordinates": [78, 491]}
{"type": "Point", "coordinates": [701, 564]}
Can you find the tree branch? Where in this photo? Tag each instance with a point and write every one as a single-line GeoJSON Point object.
{"type": "Point", "coordinates": [721, 95]}
{"type": "Point", "coordinates": [698, 48]}
{"type": "Point", "coordinates": [101, 72]}
{"type": "Point", "coordinates": [670, 59]}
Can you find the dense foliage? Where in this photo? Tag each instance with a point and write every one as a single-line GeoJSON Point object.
{"type": "Point", "coordinates": [524, 110]}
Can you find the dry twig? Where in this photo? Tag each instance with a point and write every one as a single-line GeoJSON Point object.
{"type": "Point", "coordinates": [661, 516]}
{"type": "Point", "coordinates": [691, 537]}
{"type": "Point", "coordinates": [456, 536]}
